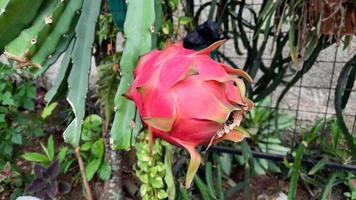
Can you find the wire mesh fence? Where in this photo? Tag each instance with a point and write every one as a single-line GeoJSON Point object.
{"type": "Point", "coordinates": [312, 96]}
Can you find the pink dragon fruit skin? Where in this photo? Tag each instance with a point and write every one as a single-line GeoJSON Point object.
{"type": "Point", "coordinates": [188, 99]}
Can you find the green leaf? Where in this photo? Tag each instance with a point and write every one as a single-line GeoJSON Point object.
{"type": "Point", "coordinates": [209, 179]}
{"type": "Point", "coordinates": [329, 186]}
{"type": "Point", "coordinates": [219, 186]}
{"type": "Point", "coordinates": [296, 167]}
{"type": "Point", "coordinates": [105, 171]}
{"type": "Point", "coordinates": [62, 154]}
{"type": "Point", "coordinates": [35, 157]}
{"type": "Point", "coordinates": [184, 193]}
{"type": "Point", "coordinates": [144, 178]}
{"type": "Point", "coordinates": [6, 99]}
{"type": "Point", "coordinates": [93, 122]}
{"type": "Point", "coordinates": [97, 149]}
{"type": "Point", "coordinates": [86, 146]}
{"type": "Point", "coordinates": [68, 165]}
{"type": "Point", "coordinates": [47, 111]}
{"type": "Point", "coordinates": [92, 168]}
{"type": "Point", "coordinates": [204, 191]}
{"type": "Point", "coordinates": [45, 150]}
{"type": "Point", "coordinates": [259, 170]}
{"type": "Point", "coordinates": [2, 118]}
{"type": "Point", "coordinates": [2, 86]}
{"type": "Point", "coordinates": [157, 182]}
{"type": "Point", "coordinates": [226, 163]}
{"type": "Point", "coordinates": [173, 4]}
{"type": "Point", "coordinates": [321, 163]}
{"type": "Point", "coordinates": [143, 190]}
{"type": "Point", "coordinates": [50, 148]}
{"type": "Point", "coordinates": [184, 20]}
{"type": "Point", "coordinates": [347, 40]}
{"type": "Point", "coordinates": [169, 178]}
{"type": "Point", "coordinates": [17, 138]}
{"type": "Point", "coordinates": [335, 133]}
{"type": "Point", "coordinates": [162, 194]}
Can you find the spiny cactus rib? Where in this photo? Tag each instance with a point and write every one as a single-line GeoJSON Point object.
{"type": "Point", "coordinates": [79, 75]}
{"type": "Point", "coordinates": [60, 85]}
{"type": "Point", "coordinates": [60, 49]}
{"type": "Point", "coordinates": [14, 16]}
{"type": "Point", "coordinates": [138, 42]}
{"type": "Point", "coordinates": [27, 43]}
{"type": "Point", "coordinates": [61, 28]}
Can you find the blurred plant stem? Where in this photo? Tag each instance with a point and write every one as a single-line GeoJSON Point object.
{"type": "Point", "coordinates": [82, 172]}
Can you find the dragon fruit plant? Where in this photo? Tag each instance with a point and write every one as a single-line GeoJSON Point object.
{"type": "Point", "coordinates": [189, 99]}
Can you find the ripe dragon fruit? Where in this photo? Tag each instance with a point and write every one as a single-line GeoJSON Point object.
{"type": "Point", "coordinates": [189, 99]}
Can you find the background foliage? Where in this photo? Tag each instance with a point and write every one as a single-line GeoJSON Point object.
{"type": "Point", "coordinates": [84, 31]}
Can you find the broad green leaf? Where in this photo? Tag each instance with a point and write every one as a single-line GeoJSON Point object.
{"type": "Point", "coordinates": [162, 194]}
{"type": "Point", "coordinates": [97, 149]}
{"type": "Point", "coordinates": [92, 121]}
{"type": "Point", "coordinates": [105, 171]}
{"type": "Point", "coordinates": [86, 146]}
{"type": "Point", "coordinates": [259, 170]}
{"type": "Point", "coordinates": [144, 178]}
{"type": "Point", "coordinates": [226, 163]}
{"type": "Point", "coordinates": [92, 168]}
{"type": "Point", "coordinates": [34, 157]}
{"type": "Point", "coordinates": [17, 138]}
{"type": "Point", "coordinates": [143, 189]}
{"type": "Point", "coordinates": [156, 182]}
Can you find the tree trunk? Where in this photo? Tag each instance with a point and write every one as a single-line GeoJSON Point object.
{"type": "Point", "coordinates": [113, 187]}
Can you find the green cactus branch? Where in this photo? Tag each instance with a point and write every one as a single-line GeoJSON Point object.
{"type": "Point", "coordinates": [62, 27]}
{"type": "Point", "coordinates": [138, 28]}
{"type": "Point", "coordinates": [78, 79]}
{"type": "Point", "coordinates": [60, 85]}
{"type": "Point", "coordinates": [11, 22]}
{"type": "Point", "coordinates": [23, 47]}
